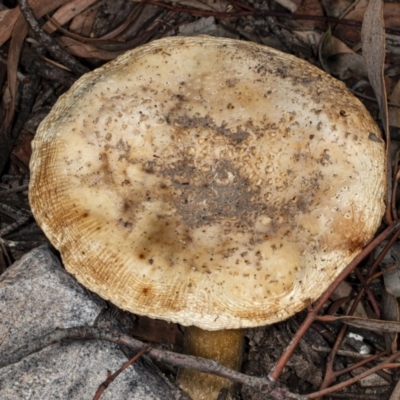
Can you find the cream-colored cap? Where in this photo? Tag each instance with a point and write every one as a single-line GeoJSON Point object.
{"type": "Point", "coordinates": [208, 181]}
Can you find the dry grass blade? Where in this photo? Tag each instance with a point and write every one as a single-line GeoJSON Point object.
{"type": "Point", "coordinates": [373, 47]}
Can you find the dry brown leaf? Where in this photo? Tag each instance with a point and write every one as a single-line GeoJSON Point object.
{"type": "Point", "coordinates": [375, 325]}
{"type": "Point", "coordinates": [5, 16]}
{"type": "Point", "coordinates": [86, 50]}
{"type": "Point", "coordinates": [336, 46]}
{"type": "Point", "coordinates": [83, 23]}
{"type": "Point", "coordinates": [213, 5]}
{"type": "Point", "coordinates": [345, 290]}
{"type": "Point", "coordinates": [370, 381]}
{"type": "Point", "coordinates": [109, 38]}
{"type": "Point", "coordinates": [312, 8]}
{"type": "Point", "coordinates": [335, 8]}
{"type": "Point", "coordinates": [66, 13]}
{"type": "Point", "coordinates": [3, 264]}
{"type": "Point", "coordinates": [391, 15]}
{"type": "Point", "coordinates": [135, 16]}
{"type": "Point", "coordinates": [394, 112]}
{"type": "Point", "coordinates": [291, 5]}
{"type": "Point", "coordinates": [373, 50]}
{"type": "Point", "coordinates": [396, 392]}
{"type": "Point", "coordinates": [209, 5]}
{"type": "Point", "coordinates": [340, 60]}
{"type": "Point", "coordinates": [22, 148]}
{"type": "Point", "coordinates": [347, 65]}
{"type": "Point", "coordinates": [390, 312]}
{"type": "Point", "coordinates": [205, 26]}
{"type": "Point", "coordinates": [391, 278]}
{"type": "Point", "coordinates": [157, 331]}
{"type": "Point", "coordinates": [7, 24]}
{"type": "Point", "coordinates": [19, 31]}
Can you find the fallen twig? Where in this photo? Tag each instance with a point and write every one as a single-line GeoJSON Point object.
{"type": "Point", "coordinates": [311, 316]}
{"type": "Point", "coordinates": [263, 385]}
{"type": "Point", "coordinates": [385, 364]}
{"type": "Point", "coordinates": [47, 41]}
{"type": "Point", "coordinates": [113, 376]}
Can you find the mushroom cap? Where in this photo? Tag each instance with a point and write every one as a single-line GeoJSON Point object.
{"type": "Point", "coordinates": [208, 181]}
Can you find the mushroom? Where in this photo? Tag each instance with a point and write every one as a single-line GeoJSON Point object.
{"type": "Point", "coordinates": [210, 182]}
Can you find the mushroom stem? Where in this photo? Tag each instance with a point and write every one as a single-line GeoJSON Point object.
{"type": "Point", "coordinates": [224, 346]}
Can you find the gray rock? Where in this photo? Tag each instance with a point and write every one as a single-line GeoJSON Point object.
{"type": "Point", "coordinates": [36, 296]}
